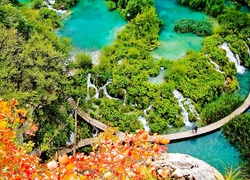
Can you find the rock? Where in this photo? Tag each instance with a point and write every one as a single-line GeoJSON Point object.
{"type": "Point", "coordinates": [186, 167]}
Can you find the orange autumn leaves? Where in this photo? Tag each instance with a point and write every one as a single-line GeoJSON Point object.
{"type": "Point", "coordinates": [111, 159]}
{"type": "Point", "coordinates": [14, 162]}
{"type": "Point", "coordinates": [13, 117]}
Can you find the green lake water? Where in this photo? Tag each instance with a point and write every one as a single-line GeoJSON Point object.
{"type": "Point", "coordinates": [175, 45]}
{"type": "Point", "coordinates": [213, 148]}
{"type": "Point", "coordinates": [91, 26]}
{"type": "Point", "coordinates": [25, 1]}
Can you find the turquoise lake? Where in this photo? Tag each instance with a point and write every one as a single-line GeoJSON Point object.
{"type": "Point", "coordinates": [92, 26]}
{"type": "Point", "coordinates": [175, 45]}
{"type": "Point", "coordinates": [213, 148]}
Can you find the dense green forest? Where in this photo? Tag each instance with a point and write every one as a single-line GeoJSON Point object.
{"type": "Point", "coordinates": [35, 65]}
{"type": "Point", "coordinates": [32, 70]}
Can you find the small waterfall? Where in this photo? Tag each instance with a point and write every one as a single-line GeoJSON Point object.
{"type": "Point", "coordinates": [144, 123]}
{"type": "Point", "coordinates": [95, 133]}
{"type": "Point", "coordinates": [149, 108]}
{"type": "Point", "coordinates": [71, 139]}
{"type": "Point", "coordinates": [159, 79]}
{"type": "Point", "coordinates": [232, 58]}
{"type": "Point", "coordinates": [216, 66]}
{"type": "Point", "coordinates": [184, 112]}
{"type": "Point", "coordinates": [143, 120]}
{"type": "Point", "coordinates": [120, 62]}
{"type": "Point", "coordinates": [89, 84]}
{"type": "Point", "coordinates": [95, 56]}
{"type": "Point", "coordinates": [192, 108]}
{"type": "Point", "coordinates": [104, 88]}
{"type": "Point", "coordinates": [50, 4]}
{"type": "Point", "coordinates": [125, 96]}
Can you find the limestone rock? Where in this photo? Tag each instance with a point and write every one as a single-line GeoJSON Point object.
{"type": "Point", "coordinates": [185, 167]}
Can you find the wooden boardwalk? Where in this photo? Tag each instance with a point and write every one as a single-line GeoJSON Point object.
{"type": "Point", "coordinates": [175, 136]}
{"type": "Point", "coordinates": [211, 127]}
{"type": "Point", "coordinates": [86, 116]}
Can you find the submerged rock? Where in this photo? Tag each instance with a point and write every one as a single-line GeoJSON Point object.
{"type": "Point", "coordinates": [185, 167]}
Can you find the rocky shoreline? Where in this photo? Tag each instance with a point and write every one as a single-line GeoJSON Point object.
{"type": "Point", "coordinates": [185, 167]}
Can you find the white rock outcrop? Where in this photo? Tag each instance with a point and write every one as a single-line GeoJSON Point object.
{"type": "Point", "coordinates": [185, 167]}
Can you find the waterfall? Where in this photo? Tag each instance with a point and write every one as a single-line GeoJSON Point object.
{"type": "Point", "coordinates": [143, 120]}
{"type": "Point", "coordinates": [95, 134]}
{"type": "Point", "coordinates": [232, 58]}
{"type": "Point", "coordinates": [95, 57]}
{"type": "Point", "coordinates": [184, 112]}
{"type": "Point", "coordinates": [89, 84]}
{"type": "Point", "coordinates": [192, 108]}
{"type": "Point", "coordinates": [71, 139]}
{"type": "Point", "coordinates": [125, 96]}
{"type": "Point", "coordinates": [50, 4]}
{"type": "Point", "coordinates": [120, 62]}
{"type": "Point", "coordinates": [104, 88]}
{"type": "Point", "coordinates": [159, 79]}
{"type": "Point", "coordinates": [216, 66]}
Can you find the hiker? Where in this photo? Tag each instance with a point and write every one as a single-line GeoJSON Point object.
{"type": "Point", "coordinates": [194, 130]}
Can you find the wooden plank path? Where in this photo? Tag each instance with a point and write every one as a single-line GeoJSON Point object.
{"type": "Point", "coordinates": [175, 136]}
{"type": "Point", "coordinates": [86, 116]}
{"type": "Point", "coordinates": [211, 127]}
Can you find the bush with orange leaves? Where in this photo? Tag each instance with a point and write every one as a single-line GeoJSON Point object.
{"type": "Point", "coordinates": [111, 158]}
{"type": "Point", "coordinates": [15, 163]}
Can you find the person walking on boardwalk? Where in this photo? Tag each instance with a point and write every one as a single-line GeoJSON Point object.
{"type": "Point", "coordinates": [195, 129]}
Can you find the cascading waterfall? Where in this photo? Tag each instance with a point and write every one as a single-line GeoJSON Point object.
{"type": "Point", "coordinates": [233, 58]}
{"type": "Point", "coordinates": [125, 96]}
{"type": "Point", "coordinates": [95, 132]}
{"type": "Point", "coordinates": [51, 2]}
{"type": "Point", "coordinates": [192, 108]}
{"type": "Point", "coordinates": [158, 79]}
{"type": "Point", "coordinates": [89, 84]}
{"type": "Point", "coordinates": [95, 57]}
{"type": "Point", "coordinates": [104, 88]}
{"type": "Point", "coordinates": [71, 139]}
{"type": "Point", "coordinates": [143, 120]}
{"type": "Point", "coordinates": [216, 66]}
{"type": "Point", "coordinates": [183, 101]}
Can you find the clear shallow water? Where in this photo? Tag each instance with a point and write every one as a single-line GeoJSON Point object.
{"type": "Point", "coordinates": [212, 148]}
{"type": "Point", "coordinates": [25, 1]}
{"type": "Point", "coordinates": [244, 83]}
{"type": "Point", "coordinates": [91, 26]}
{"type": "Point", "coordinates": [175, 45]}
{"type": "Point", "coordinates": [158, 79]}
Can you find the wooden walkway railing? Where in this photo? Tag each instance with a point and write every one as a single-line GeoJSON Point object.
{"type": "Point", "coordinates": [174, 136]}
{"type": "Point", "coordinates": [211, 127]}
{"type": "Point", "coordinates": [86, 116]}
